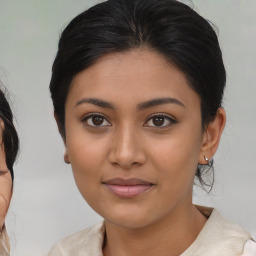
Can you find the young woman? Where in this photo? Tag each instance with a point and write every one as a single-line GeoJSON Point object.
{"type": "Point", "coordinates": [9, 145]}
{"type": "Point", "coordinates": [137, 88]}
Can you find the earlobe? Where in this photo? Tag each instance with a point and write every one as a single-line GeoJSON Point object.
{"type": "Point", "coordinates": [66, 158]}
{"type": "Point", "coordinates": [211, 137]}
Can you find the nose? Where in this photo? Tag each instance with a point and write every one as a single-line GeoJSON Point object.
{"type": "Point", "coordinates": [127, 150]}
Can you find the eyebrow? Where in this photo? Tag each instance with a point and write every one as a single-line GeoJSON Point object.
{"type": "Point", "coordinates": [141, 106]}
{"type": "Point", "coordinates": [97, 102]}
{"type": "Point", "coordinates": [160, 101]}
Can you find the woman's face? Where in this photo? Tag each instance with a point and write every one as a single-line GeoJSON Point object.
{"type": "Point", "coordinates": [133, 137]}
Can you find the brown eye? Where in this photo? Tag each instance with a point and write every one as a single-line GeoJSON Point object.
{"type": "Point", "coordinates": [160, 120]}
{"type": "Point", "coordinates": [96, 120]}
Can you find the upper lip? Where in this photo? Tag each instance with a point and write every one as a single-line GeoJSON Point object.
{"type": "Point", "coordinates": [126, 182]}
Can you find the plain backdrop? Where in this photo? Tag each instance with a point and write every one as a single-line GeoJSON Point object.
{"type": "Point", "coordinates": [46, 205]}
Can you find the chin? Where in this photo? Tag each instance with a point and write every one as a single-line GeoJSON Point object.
{"type": "Point", "coordinates": [128, 218]}
{"type": "Point", "coordinates": [128, 223]}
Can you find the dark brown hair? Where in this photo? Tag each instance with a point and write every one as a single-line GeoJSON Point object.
{"type": "Point", "coordinates": [168, 27]}
{"type": "Point", "coordinates": [10, 137]}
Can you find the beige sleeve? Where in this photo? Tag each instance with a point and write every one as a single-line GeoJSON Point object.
{"type": "Point", "coordinates": [4, 243]}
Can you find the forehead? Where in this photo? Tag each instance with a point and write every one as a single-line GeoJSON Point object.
{"type": "Point", "coordinates": [138, 74]}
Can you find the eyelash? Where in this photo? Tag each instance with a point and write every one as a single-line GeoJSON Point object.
{"type": "Point", "coordinates": [170, 119]}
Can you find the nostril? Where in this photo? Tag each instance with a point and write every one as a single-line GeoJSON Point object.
{"type": "Point", "coordinates": [125, 165]}
{"type": "Point", "coordinates": [115, 164]}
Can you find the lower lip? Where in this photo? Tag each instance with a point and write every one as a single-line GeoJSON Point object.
{"type": "Point", "coordinates": [128, 191]}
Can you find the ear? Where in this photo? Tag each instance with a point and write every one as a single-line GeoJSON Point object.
{"type": "Point", "coordinates": [211, 137]}
{"type": "Point", "coordinates": [1, 124]}
{"type": "Point", "coordinates": [66, 156]}
{"type": "Point", "coordinates": [3, 165]}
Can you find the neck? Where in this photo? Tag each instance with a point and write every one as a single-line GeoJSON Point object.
{"type": "Point", "coordinates": [171, 236]}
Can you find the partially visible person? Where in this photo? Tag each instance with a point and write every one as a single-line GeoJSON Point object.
{"type": "Point", "coordinates": [9, 144]}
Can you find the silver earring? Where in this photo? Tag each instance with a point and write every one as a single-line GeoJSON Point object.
{"type": "Point", "coordinates": [206, 159]}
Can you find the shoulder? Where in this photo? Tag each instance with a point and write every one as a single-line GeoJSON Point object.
{"type": "Point", "coordinates": [218, 237]}
{"type": "Point", "coordinates": [229, 236]}
{"type": "Point", "coordinates": [86, 242]}
{"type": "Point", "coordinates": [249, 248]}
{"type": "Point", "coordinates": [222, 228]}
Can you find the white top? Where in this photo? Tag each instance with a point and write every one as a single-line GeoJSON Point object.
{"type": "Point", "coordinates": [218, 237]}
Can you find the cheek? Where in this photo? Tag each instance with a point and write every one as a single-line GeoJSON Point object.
{"type": "Point", "coordinates": [177, 158]}
{"type": "Point", "coordinates": [86, 155]}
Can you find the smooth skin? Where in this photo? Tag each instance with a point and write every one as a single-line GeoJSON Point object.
{"type": "Point", "coordinates": [134, 115]}
{"type": "Point", "coordinates": [5, 181]}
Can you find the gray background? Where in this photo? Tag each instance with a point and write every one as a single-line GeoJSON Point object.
{"type": "Point", "coordinates": [46, 204]}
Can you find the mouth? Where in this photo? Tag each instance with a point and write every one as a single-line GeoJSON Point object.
{"type": "Point", "coordinates": [128, 188]}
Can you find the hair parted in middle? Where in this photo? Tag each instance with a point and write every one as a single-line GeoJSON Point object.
{"type": "Point", "coordinates": [168, 27]}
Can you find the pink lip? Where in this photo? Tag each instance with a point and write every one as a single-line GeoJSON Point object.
{"type": "Point", "coordinates": [128, 188]}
